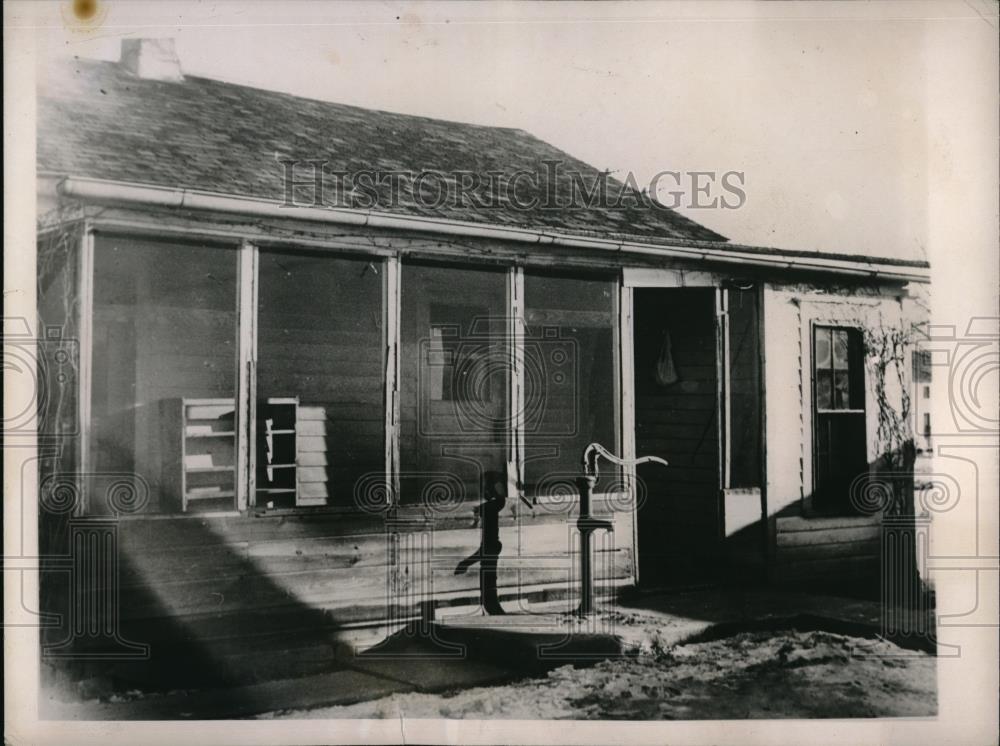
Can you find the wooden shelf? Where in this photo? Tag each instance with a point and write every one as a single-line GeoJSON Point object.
{"type": "Point", "coordinates": [193, 495]}
{"type": "Point", "coordinates": [280, 444]}
{"type": "Point", "coordinates": [206, 469]}
{"type": "Point", "coordinates": [208, 450]}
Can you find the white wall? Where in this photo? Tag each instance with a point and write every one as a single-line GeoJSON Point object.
{"type": "Point", "coordinates": [789, 313]}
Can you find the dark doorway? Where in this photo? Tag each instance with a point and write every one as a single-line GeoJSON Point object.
{"type": "Point", "coordinates": [675, 418]}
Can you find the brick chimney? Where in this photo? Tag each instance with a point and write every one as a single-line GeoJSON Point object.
{"type": "Point", "coordinates": [153, 59]}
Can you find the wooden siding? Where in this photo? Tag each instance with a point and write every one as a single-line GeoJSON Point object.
{"type": "Point", "coordinates": [197, 565]}
{"type": "Point", "coordinates": [283, 595]}
{"type": "Point", "coordinates": [826, 550]}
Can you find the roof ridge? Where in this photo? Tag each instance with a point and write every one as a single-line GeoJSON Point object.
{"type": "Point", "coordinates": [328, 102]}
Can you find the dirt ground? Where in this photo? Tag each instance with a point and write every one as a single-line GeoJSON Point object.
{"type": "Point", "coordinates": [789, 674]}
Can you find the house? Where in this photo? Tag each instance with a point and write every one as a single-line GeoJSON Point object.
{"type": "Point", "coordinates": [922, 400]}
{"type": "Point", "coordinates": [285, 405]}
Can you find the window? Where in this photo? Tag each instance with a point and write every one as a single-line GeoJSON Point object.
{"type": "Point", "coordinates": [570, 393]}
{"type": "Point", "coordinates": [164, 375]}
{"type": "Point", "coordinates": [320, 378]}
{"type": "Point", "coordinates": [454, 382]}
{"type": "Point", "coordinates": [839, 416]}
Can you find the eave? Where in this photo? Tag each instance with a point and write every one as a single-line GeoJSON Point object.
{"type": "Point", "coordinates": [117, 192]}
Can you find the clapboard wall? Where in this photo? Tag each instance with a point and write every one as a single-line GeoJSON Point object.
{"type": "Point", "coordinates": [831, 551]}
{"type": "Point", "coordinates": [248, 597]}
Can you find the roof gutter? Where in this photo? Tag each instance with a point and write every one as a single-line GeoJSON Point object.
{"type": "Point", "coordinates": [100, 190]}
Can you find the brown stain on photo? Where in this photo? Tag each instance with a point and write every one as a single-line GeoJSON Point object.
{"type": "Point", "coordinates": [85, 10]}
{"type": "Point", "coordinates": [84, 15]}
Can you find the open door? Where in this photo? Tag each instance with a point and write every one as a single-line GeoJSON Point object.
{"type": "Point", "coordinates": [676, 387]}
{"type": "Point", "coordinates": [697, 387]}
{"type": "Point", "coordinates": [741, 425]}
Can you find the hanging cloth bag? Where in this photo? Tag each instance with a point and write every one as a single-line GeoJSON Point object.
{"type": "Point", "coordinates": [666, 373]}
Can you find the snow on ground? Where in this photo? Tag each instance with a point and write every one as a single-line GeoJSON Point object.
{"type": "Point", "coordinates": [770, 674]}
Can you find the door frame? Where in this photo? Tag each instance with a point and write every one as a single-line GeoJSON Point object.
{"type": "Point", "coordinates": [674, 279]}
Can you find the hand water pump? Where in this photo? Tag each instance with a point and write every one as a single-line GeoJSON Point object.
{"type": "Point", "coordinates": [588, 524]}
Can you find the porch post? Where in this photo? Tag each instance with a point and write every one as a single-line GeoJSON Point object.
{"type": "Point", "coordinates": [246, 379]}
{"type": "Point", "coordinates": [390, 305]}
{"type": "Point", "coordinates": [85, 282]}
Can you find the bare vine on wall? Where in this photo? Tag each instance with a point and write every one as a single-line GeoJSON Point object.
{"type": "Point", "coordinates": [888, 347]}
{"type": "Point", "coordinates": [888, 339]}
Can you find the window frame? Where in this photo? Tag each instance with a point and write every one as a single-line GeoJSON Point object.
{"type": "Point", "coordinates": [251, 310]}
{"type": "Point", "coordinates": [857, 382]}
{"type": "Point", "coordinates": [505, 268]}
{"type": "Point", "coordinates": [620, 445]}
{"type": "Point", "coordinates": [86, 266]}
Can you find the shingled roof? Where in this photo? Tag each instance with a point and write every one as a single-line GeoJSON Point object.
{"type": "Point", "coordinates": [97, 120]}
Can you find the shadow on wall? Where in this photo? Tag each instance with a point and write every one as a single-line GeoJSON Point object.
{"type": "Point", "coordinates": [858, 544]}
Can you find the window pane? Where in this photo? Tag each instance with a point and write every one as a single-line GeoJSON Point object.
{"type": "Point", "coordinates": [822, 348]}
{"type": "Point", "coordinates": [840, 350]}
{"type": "Point", "coordinates": [569, 377]}
{"type": "Point", "coordinates": [824, 390]}
{"type": "Point", "coordinates": [856, 369]}
{"type": "Point", "coordinates": [454, 369]}
{"type": "Point", "coordinates": [841, 390]}
{"type": "Point", "coordinates": [164, 373]}
{"type": "Point", "coordinates": [320, 378]}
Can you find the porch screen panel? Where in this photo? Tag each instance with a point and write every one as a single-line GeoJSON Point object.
{"type": "Point", "coordinates": [320, 378]}
{"type": "Point", "coordinates": [454, 382]}
{"type": "Point", "coordinates": [163, 376]}
{"type": "Point", "coordinates": [58, 358]}
{"type": "Point", "coordinates": [744, 387]}
{"type": "Point", "coordinates": [570, 397]}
